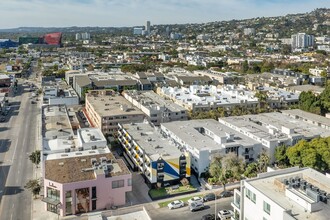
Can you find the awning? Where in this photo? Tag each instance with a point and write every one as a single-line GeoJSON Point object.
{"type": "Point", "coordinates": [51, 201]}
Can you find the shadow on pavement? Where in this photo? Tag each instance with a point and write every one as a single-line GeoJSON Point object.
{"type": "Point", "coordinates": [12, 190]}
{"type": "Point", "coordinates": [4, 170]}
{"type": "Point", "coordinates": [4, 128]}
{"type": "Point", "coordinates": [4, 145]}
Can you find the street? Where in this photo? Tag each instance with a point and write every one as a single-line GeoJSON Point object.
{"type": "Point", "coordinates": [185, 214]}
{"type": "Point", "coordinates": [17, 141]}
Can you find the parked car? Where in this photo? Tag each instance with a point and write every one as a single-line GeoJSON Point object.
{"type": "Point", "coordinates": [225, 214]}
{"type": "Point", "coordinates": [195, 199]}
{"type": "Point", "coordinates": [195, 206]}
{"type": "Point", "coordinates": [2, 119]}
{"type": "Point", "coordinates": [175, 204]}
{"type": "Point", "coordinates": [225, 194]}
{"type": "Point", "coordinates": [208, 217]}
{"type": "Point", "coordinates": [209, 197]}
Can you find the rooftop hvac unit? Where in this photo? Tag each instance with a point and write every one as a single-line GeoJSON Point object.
{"type": "Point", "coordinates": [103, 159]}
{"type": "Point", "coordinates": [93, 161]}
{"type": "Point", "coordinates": [94, 147]}
{"type": "Point", "coordinates": [80, 148]}
{"type": "Point", "coordinates": [67, 150]}
{"type": "Point", "coordinates": [54, 137]}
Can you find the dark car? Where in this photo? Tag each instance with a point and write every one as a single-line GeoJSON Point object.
{"type": "Point", "coordinates": [209, 197]}
{"type": "Point", "coordinates": [225, 194]}
{"type": "Point", "coordinates": [2, 119]}
{"type": "Point", "coordinates": [208, 217]}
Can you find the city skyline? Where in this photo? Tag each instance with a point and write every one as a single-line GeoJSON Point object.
{"type": "Point", "coordinates": [119, 13]}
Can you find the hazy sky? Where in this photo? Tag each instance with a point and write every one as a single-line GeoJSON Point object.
{"type": "Point", "coordinates": [116, 13]}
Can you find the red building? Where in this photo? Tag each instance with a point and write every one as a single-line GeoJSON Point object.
{"type": "Point", "coordinates": [53, 38]}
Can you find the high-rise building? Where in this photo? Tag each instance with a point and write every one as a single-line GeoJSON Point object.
{"type": "Point", "coordinates": [148, 27]}
{"type": "Point", "coordinates": [302, 41]}
{"type": "Point", "coordinates": [137, 31]}
{"type": "Point", "coordinates": [249, 31]}
{"type": "Point", "coordinates": [78, 36]}
{"type": "Point", "coordinates": [85, 36]}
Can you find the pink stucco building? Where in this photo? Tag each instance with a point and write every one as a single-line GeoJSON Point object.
{"type": "Point", "coordinates": [79, 182]}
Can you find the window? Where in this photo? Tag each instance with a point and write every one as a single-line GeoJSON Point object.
{"type": "Point", "coordinates": [129, 182]}
{"type": "Point", "coordinates": [266, 207]}
{"type": "Point", "coordinates": [93, 204]}
{"type": "Point", "coordinates": [117, 184]}
{"type": "Point", "coordinates": [93, 192]}
{"type": "Point", "coordinates": [53, 193]}
{"type": "Point", "coordinates": [68, 194]}
{"type": "Point", "coordinates": [250, 195]}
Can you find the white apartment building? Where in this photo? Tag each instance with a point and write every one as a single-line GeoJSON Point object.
{"type": "Point", "coordinates": [157, 109]}
{"type": "Point", "coordinates": [288, 194]}
{"type": "Point", "coordinates": [205, 138]}
{"type": "Point", "coordinates": [205, 98]}
{"type": "Point", "coordinates": [302, 41]}
{"type": "Point", "coordinates": [274, 129]}
{"type": "Point", "coordinates": [147, 150]}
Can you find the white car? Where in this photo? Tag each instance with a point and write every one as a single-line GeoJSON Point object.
{"type": "Point", "coordinates": [225, 214]}
{"type": "Point", "coordinates": [175, 204]}
{"type": "Point", "coordinates": [196, 199]}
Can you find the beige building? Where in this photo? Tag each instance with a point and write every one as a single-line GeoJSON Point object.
{"type": "Point", "coordinates": [105, 109]}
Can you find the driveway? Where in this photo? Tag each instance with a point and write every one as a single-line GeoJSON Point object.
{"type": "Point", "coordinates": [139, 193]}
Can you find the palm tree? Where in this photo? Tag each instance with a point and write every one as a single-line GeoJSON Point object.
{"type": "Point", "coordinates": [35, 157]}
{"type": "Point", "coordinates": [34, 186]}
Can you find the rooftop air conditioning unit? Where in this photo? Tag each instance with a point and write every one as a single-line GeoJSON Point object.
{"type": "Point", "coordinates": [80, 148]}
{"type": "Point", "coordinates": [67, 150]}
{"type": "Point", "coordinates": [94, 147]}
{"type": "Point", "coordinates": [93, 161]}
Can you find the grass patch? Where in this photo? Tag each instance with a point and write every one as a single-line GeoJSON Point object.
{"type": "Point", "coordinates": [169, 191]}
{"type": "Point", "coordinates": [185, 200]}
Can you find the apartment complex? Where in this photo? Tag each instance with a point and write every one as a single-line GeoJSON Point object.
{"type": "Point", "coordinates": [302, 41]}
{"type": "Point", "coordinates": [106, 108]}
{"type": "Point", "coordinates": [205, 138]}
{"type": "Point", "coordinates": [274, 129]}
{"type": "Point", "coordinates": [156, 108]}
{"type": "Point", "coordinates": [289, 194]}
{"type": "Point", "coordinates": [148, 150]}
{"type": "Point", "coordinates": [205, 98]}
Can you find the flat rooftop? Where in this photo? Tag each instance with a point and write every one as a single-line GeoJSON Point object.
{"type": "Point", "coordinates": [188, 132]}
{"type": "Point", "coordinates": [204, 95]}
{"type": "Point", "coordinates": [151, 141]}
{"type": "Point", "coordinates": [152, 100]}
{"type": "Point", "coordinates": [260, 125]}
{"type": "Point", "coordinates": [307, 115]}
{"type": "Point", "coordinates": [56, 122]}
{"type": "Point", "coordinates": [266, 185]}
{"type": "Point", "coordinates": [112, 105]}
{"type": "Point", "coordinates": [87, 133]}
{"type": "Point", "coordinates": [70, 167]}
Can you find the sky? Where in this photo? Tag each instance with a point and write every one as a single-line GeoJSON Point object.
{"type": "Point", "coordinates": [119, 13]}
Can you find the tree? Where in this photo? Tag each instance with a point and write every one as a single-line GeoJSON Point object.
{"type": "Point", "coordinates": [251, 170]}
{"type": "Point", "coordinates": [35, 157]}
{"type": "Point", "coordinates": [34, 186]}
{"type": "Point", "coordinates": [325, 98]}
{"type": "Point", "coordinates": [227, 168]}
{"type": "Point", "coordinates": [280, 155]}
{"type": "Point", "coordinates": [263, 162]}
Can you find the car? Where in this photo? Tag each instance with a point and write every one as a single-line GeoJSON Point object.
{"type": "Point", "coordinates": [195, 199]}
{"type": "Point", "coordinates": [195, 206]}
{"type": "Point", "coordinates": [208, 217]}
{"type": "Point", "coordinates": [8, 108]}
{"type": "Point", "coordinates": [225, 214]}
{"type": "Point", "coordinates": [2, 119]}
{"type": "Point", "coordinates": [175, 204]}
{"type": "Point", "coordinates": [225, 194]}
{"type": "Point", "coordinates": [209, 197]}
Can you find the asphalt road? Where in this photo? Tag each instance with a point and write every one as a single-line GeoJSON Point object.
{"type": "Point", "coordinates": [17, 141]}
{"type": "Point", "coordinates": [185, 214]}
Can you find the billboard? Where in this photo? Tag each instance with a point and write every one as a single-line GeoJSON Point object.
{"type": "Point", "coordinates": [82, 200]}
